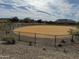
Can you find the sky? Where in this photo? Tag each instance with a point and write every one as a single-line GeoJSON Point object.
{"type": "Point", "coordinates": [40, 9]}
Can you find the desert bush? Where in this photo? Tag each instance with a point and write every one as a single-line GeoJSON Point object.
{"type": "Point", "coordinates": [59, 45]}
{"type": "Point", "coordinates": [63, 41]}
{"type": "Point", "coordinates": [72, 40]}
{"type": "Point", "coordinates": [30, 43]}
{"type": "Point", "coordinates": [9, 40]}
{"type": "Point", "coordinates": [76, 34]}
{"type": "Point", "coordinates": [44, 49]}
{"type": "Point", "coordinates": [71, 32]}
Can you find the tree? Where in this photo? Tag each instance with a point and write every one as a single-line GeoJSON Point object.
{"type": "Point", "coordinates": [49, 22]}
{"type": "Point", "coordinates": [29, 20]}
{"type": "Point", "coordinates": [39, 21]}
{"type": "Point", "coordinates": [14, 19]}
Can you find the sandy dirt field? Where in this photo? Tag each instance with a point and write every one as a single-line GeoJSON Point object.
{"type": "Point", "coordinates": [48, 30]}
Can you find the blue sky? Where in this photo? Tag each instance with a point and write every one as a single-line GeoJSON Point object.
{"type": "Point", "coordinates": [40, 9]}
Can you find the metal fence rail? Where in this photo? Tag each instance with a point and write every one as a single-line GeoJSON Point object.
{"type": "Point", "coordinates": [41, 39]}
{"type": "Point", "coordinates": [37, 38]}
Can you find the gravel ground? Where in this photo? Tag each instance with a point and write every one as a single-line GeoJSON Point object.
{"type": "Point", "coordinates": [21, 50]}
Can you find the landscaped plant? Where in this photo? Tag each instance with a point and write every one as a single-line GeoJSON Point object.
{"type": "Point", "coordinates": [9, 40]}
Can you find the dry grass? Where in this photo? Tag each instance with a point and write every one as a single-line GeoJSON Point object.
{"type": "Point", "coordinates": [45, 29]}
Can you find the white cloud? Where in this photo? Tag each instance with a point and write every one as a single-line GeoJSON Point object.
{"type": "Point", "coordinates": [56, 9]}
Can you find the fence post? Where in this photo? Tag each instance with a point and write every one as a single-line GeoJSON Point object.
{"type": "Point", "coordinates": [55, 41]}
{"type": "Point", "coordinates": [35, 38]}
{"type": "Point", "coordinates": [19, 36]}
{"type": "Point", "coordinates": [72, 39]}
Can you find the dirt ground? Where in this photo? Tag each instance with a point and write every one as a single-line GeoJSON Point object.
{"type": "Point", "coordinates": [48, 30]}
